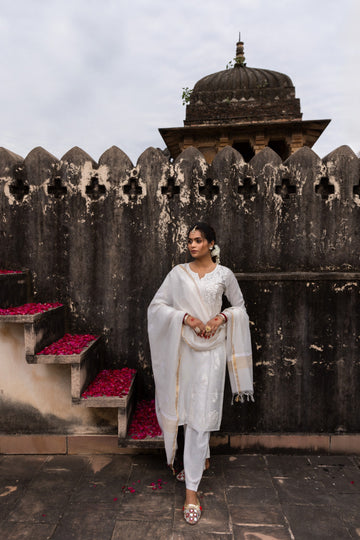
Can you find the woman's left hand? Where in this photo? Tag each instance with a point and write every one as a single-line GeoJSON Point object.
{"type": "Point", "coordinates": [212, 326]}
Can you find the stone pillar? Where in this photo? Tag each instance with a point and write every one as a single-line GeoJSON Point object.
{"type": "Point", "coordinates": [187, 142]}
{"type": "Point", "coordinates": [223, 142]}
{"type": "Point", "coordinates": [297, 141]}
{"type": "Point", "coordinates": [259, 142]}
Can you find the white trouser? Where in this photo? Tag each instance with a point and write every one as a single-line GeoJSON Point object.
{"type": "Point", "coordinates": [196, 450]}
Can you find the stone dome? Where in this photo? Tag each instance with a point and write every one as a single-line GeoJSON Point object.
{"type": "Point", "coordinates": [242, 94]}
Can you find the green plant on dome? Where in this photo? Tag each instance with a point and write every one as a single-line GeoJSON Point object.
{"type": "Point", "coordinates": [186, 95]}
{"type": "Point", "coordinates": [237, 61]}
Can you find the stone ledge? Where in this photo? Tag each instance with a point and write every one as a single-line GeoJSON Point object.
{"type": "Point", "coordinates": [219, 442]}
{"type": "Point", "coordinates": [66, 358]}
{"type": "Point", "coordinates": [345, 444]}
{"type": "Point", "coordinates": [103, 444]}
{"type": "Point", "coordinates": [33, 444]}
{"type": "Point", "coordinates": [295, 442]}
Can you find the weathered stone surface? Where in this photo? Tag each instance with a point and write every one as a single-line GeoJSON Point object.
{"type": "Point", "coordinates": [64, 497]}
{"type": "Point", "coordinates": [100, 237]}
{"type": "Point", "coordinates": [44, 329]}
{"type": "Point", "coordinates": [14, 289]}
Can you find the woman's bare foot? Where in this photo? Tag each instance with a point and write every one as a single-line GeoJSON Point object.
{"type": "Point", "coordinates": [207, 464]}
{"type": "Point", "coordinates": [191, 497]}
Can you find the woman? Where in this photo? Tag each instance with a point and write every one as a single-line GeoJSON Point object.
{"type": "Point", "coordinates": [191, 341]}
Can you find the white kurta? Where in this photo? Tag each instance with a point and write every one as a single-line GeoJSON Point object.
{"type": "Point", "coordinates": [189, 371]}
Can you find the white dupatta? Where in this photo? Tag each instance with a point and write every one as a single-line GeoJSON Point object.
{"type": "Point", "coordinates": [179, 294]}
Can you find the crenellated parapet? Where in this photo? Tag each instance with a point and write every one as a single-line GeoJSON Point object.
{"type": "Point", "coordinates": [283, 215]}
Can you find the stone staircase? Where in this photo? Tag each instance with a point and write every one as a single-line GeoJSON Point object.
{"type": "Point", "coordinates": [46, 328]}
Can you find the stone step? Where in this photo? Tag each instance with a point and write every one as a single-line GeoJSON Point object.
{"type": "Point", "coordinates": [85, 368]}
{"type": "Point", "coordinates": [41, 328]}
{"type": "Point", "coordinates": [14, 289]}
{"type": "Point", "coordinates": [143, 424]}
{"type": "Point", "coordinates": [125, 406]}
{"type": "Point", "coordinates": [68, 358]}
{"type": "Point", "coordinates": [148, 442]}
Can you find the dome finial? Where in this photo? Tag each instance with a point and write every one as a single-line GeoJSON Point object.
{"type": "Point", "coordinates": [240, 58]}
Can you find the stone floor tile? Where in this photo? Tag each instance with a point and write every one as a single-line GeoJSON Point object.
{"type": "Point", "coordinates": [103, 479]}
{"type": "Point", "coordinates": [46, 494]}
{"type": "Point", "coordinates": [315, 523]}
{"type": "Point", "coordinates": [244, 476]}
{"type": "Point", "coordinates": [151, 469]}
{"type": "Point", "coordinates": [338, 478]}
{"type": "Point", "coordinates": [248, 532]}
{"type": "Point", "coordinates": [250, 496]}
{"type": "Point", "coordinates": [194, 533]}
{"type": "Point", "coordinates": [285, 465]}
{"type": "Point", "coordinates": [347, 506]}
{"type": "Point", "coordinates": [10, 493]}
{"type": "Point", "coordinates": [27, 531]}
{"type": "Point", "coordinates": [24, 467]}
{"type": "Point", "coordinates": [39, 507]}
{"type": "Point", "coordinates": [135, 530]}
{"type": "Point", "coordinates": [302, 491]}
{"type": "Point", "coordinates": [146, 506]}
{"type": "Point", "coordinates": [76, 465]}
{"type": "Point", "coordinates": [90, 522]}
{"type": "Point", "coordinates": [345, 461]}
{"type": "Point", "coordinates": [108, 465]}
{"type": "Point", "coordinates": [98, 490]}
{"type": "Point", "coordinates": [257, 515]}
{"type": "Point", "coordinates": [251, 461]}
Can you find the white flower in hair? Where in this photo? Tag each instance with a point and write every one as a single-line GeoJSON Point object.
{"type": "Point", "coordinates": [215, 252]}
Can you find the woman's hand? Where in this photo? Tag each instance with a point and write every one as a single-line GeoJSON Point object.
{"type": "Point", "coordinates": [212, 326]}
{"type": "Point", "coordinates": [196, 325]}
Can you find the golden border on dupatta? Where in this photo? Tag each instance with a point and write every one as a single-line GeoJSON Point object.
{"type": "Point", "coordinates": [233, 358]}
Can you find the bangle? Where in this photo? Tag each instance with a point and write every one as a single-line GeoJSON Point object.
{"type": "Point", "coordinates": [185, 318]}
{"type": "Point", "coordinates": [223, 316]}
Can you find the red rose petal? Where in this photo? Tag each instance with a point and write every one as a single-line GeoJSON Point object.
{"type": "Point", "coordinates": [29, 309]}
{"type": "Point", "coordinates": [69, 344]}
{"type": "Point", "coordinates": [111, 382]}
{"type": "Point", "coordinates": [144, 423]}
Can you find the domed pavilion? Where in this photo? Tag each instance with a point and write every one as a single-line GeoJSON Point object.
{"type": "Point", "coordinates": [246, 108]}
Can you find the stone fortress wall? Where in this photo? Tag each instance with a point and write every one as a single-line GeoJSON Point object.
{"type": "Point", "coordinates": [101, 236]}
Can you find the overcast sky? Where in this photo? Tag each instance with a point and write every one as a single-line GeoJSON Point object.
{"type": "Point", "coordinates": [97, 73]}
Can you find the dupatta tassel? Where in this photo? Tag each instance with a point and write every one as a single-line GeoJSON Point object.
{"type": "Point", "coordinates": [242, 397]}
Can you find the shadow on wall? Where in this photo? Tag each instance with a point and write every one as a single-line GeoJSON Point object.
{"type": "Point", "coordinates": [39, 396]}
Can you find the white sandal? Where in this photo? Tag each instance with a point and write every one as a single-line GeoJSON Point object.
{"type": "Point", "coordinates": [181, 475]}
{"type": "Point", "coordinates": [192, 513]}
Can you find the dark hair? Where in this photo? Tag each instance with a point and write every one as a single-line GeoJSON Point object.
{"type": "Point", "coordinates": [206, 230]}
